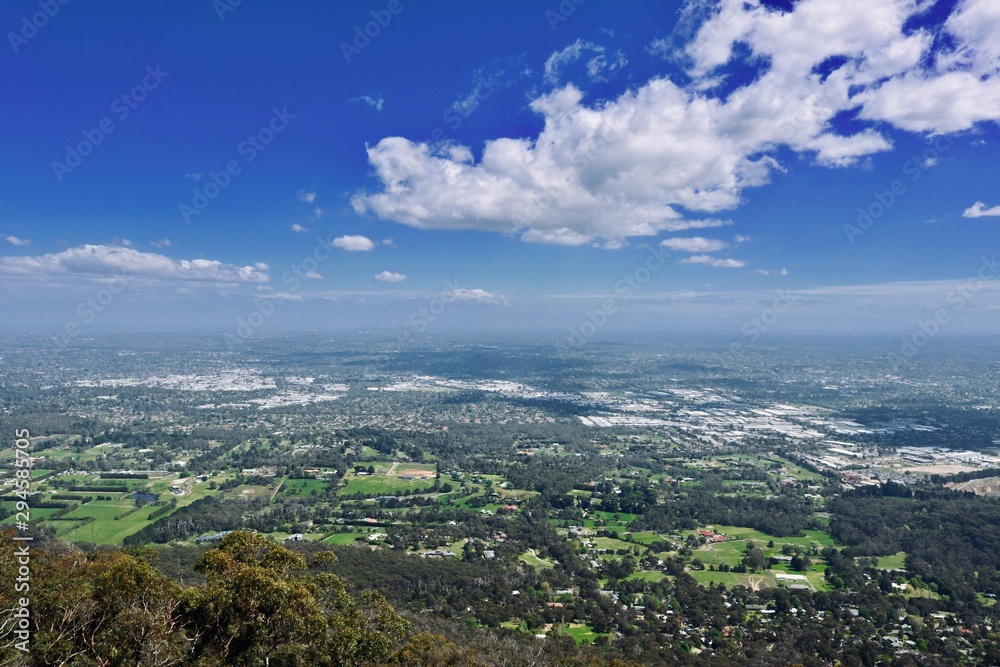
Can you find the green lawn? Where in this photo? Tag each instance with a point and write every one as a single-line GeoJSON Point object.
{"type": "Point", "coordinates": [730, 579]}
{"type": "Point", "coordinates": [304, 487]}
{"type": "Point", "coordinates": [646, 538]}
{"type": "Point", "coordinates": [894, 562]}
{"type": "Point", "coordinates": [581, 634]}
{"type": "Point", "coordinates": [531, 559]}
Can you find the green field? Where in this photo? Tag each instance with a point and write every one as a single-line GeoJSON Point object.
{"type": "Point", "coordinates": [343, 538]}
{"type": "Point", "coordinates": [531, 559]}
{"type": "Point", "coordinates": [730, 579]}
{"type": "Point", "coordinates": [304, 487]}
{"type": "Point", "coordinates": [894, 562]}
{"type": "Point", "coordinates": [105, 529]}
{"type": "Point", "coordinates": [383, 486]}
{"type": "Point", "coordinates": [581, 634]}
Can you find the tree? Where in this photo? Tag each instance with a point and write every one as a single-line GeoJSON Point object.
{"type": "Point", "coordinates": [257, 609]}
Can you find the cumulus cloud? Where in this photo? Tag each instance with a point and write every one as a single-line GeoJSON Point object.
{"type": "Point", "coordinates": [390, 277]}
{"type": "Point", "coordinates": [296, 227]}
{"type": "Point", "coordinates": [104, 261]}
{"type": "Point", "coordinates": [354, 243]}
{"type": "Point", "coordinates": [714, 261]}
{"type": "Point", "coordinates": [979, 210]}
{"type": "Point", "coordinates": [374, 102]}
{"type": "Point", "coordinates": [667, 152]}
{"type": "Point", "coordinates": [14, 240]}
{"type": "Point", "coordinates": [693, 244]}
{"type": "Point", "coordinates": [306, 196]}
{"type": "Point", "coordinates": [476, 295]}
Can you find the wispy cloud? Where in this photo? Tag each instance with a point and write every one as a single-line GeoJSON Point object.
{"type": "Point", "coordinates": [476, 295]}
{"type": "Point", "coordinates": [162, 243]}
{"type": "Point", "coordinates": [714, 261]}
{"type": "Point", "coordinates": [374, 102]}
{"type": "Point", "coordinates": [599, 66]}
{"type": "Point", "coordinates": [14, 240]}
{"type": "Point", "coordinates": [694, 244]}
{"type": "Point", "coordinates": [296, 227]}
{"type": "Point", "coordinates": [307, 196]}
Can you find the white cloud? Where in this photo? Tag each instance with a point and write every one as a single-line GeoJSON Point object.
{"type": "Point", "coordinates": [162, 243]}
{"type": "Point", "coordinates": [193, 176]}
{"type": "Point", "coordinates": [296, 227]}
{"type": "Point", "coordinates": [105, 261]}
{"type": "Point", "coordinates": [477, 295]}
{"type": "Point", "coordinates": [354, 243]}
{"type": "Point", "coordinates": [374, 102]}
{"type": "Point", "coordinates": [979, 210]}
{"type": "Point", "coordinates": [318, 213]}
{"type": "Point", "coordinates": [666, 151]}
{"type": "Point", "coordinates": [14, 240]}
{"type": "Point", "coordinates": [312, 275]}
{"type": "Point", "coordinates": [597, 66]}
{"type": "Point", "coordinates": [693, 244]}
{"type": "Point", "coordinates": [765, 272]}
{"type": "Point", "coordinates": [306, 196]}
{"type": "Point", "coordinates": [714, 261]}
{"type": "Point", "coordinates": [390, 277]}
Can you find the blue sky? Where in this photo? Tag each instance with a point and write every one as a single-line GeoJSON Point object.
{"type": "Point", "coordinates": [500, 165]}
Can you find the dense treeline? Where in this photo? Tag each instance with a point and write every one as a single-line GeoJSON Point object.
{"type": "Point", "coordinates": [952, 539]}
{"type": "Point", "coordinates": [782, 516]}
